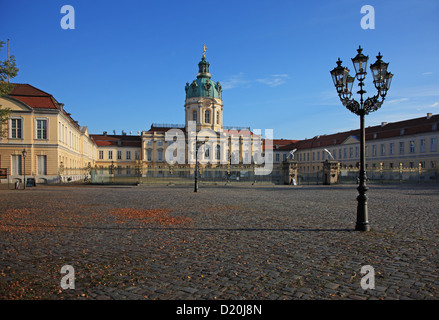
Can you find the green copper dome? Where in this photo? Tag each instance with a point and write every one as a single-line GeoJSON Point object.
{"type": "Point", "coordinates": [203, 86]}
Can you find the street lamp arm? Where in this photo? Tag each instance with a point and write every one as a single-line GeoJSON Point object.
{"type": "Point", "coordinates": [353, 106]}
{"type": "Point", "coordinates": [372, 104]}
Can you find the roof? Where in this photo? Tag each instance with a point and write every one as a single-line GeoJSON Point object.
{"type": "Point", "coordinates": [203, 86]}
{"type": "Point", "coordinates": [38, 99]}
{"type": "Point", "coordinates": [33, 97]}
{"type": "Point", "coordinates": [104, 140]}
{"type": "Point", "coordinates": [282, 144]}
{"type": "Point", "coordinates": [384, 131]}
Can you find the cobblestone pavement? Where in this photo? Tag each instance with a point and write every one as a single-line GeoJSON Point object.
{"type": "Point", "coordinates": [235, 242]}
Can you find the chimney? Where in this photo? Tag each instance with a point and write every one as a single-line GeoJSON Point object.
{"type": "Point", "coordinates": [429, 115]}
{"type": "Point", "coordinates": [383, 124]}
{"type": "Point", "coordinates": [105, 133]}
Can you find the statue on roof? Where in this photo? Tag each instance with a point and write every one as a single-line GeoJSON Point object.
{"type": "Point", "coordinates": [204, 51]}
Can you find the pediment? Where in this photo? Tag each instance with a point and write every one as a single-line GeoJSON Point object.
{"type": "Point", "coordinates": [351, 140]}
{"type": "Point", "coordinates": [14, 104]}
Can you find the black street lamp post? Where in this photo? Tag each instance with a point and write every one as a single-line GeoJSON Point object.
{"type": "Point", "coordinates": [343, 82]}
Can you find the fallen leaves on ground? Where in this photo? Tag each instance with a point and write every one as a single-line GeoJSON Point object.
{"type": "Point", "coordinates": [159, 217]}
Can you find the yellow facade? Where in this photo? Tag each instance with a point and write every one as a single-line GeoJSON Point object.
{"type": "Point", "coordinates": [56, 149]}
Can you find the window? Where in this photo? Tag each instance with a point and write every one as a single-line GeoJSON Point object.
{"type": "Point", "coordinates": [401, 147]}
{"type": "Point", "coordinates": [345, 153]}
{"type": "Point", "coordinates": [16, 165]}
{"type": "Point", "coordinates": [194, 116]}
{"type": "Point", "coordinates": [160, 155]}
{"type": "Point", "coordinates": [42, 165]}
{"type": "Point", "coordinates": [160, 143]}
{"type": "Point", "coordinates": [119, 155]}
{"type": "Point", "coordinates": [412, 146]}
{"type": "Point", "coordinates": [383, 149]}
{"type": "Point", "coordinates": [41, 129]}
{"type": "Point", "coordinates": [278, 157]}
{"type": "Point", "coordinates": [110, 155]}
{"type": "Point", "coordinates": [101, 155]}
{"type": "Point", "coordinates": [217, 117]}
{"type": "Point", "coordinates": [16, 128]}
{"type": "Point", "coordinates": [284, 157]}
{"type": "Point", "coordinates": [137, 155]}
{"type": "Point", "coordinates": [391, 148]}
{"type": "Point", "coordinates": [374, 150]}
{"type": "Point", "coordinates": [433, 144]}
{"type": "Point", "coordinates": [423, 145]}
{"type": "Point", "coordinates": [128, 155]}
{"type": "Point", "coordinates": [351, 152]}
{"type": "Point", "coordinates": [339, 153]}
{"type": "Point", "coordinates": [207, 116]}
{"type": "Point", "coordinates": [357, 152]}
{"type": "Point", "coordinates": [149, 154]}
{"type": "Point", "coordinates": [218, 152]}
{"type": "Point", "coordinates": [318, 155]}
{"type": "Point", "coordinates": [149, 143]}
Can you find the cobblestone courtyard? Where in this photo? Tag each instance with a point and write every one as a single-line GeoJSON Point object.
{"type": "Point", "coordinates": [236, 242]}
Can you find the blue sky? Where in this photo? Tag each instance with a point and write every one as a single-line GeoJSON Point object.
{"type": "Point", "coordinates": [125, 64]}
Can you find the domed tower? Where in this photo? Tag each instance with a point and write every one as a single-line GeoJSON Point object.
{"type": "Point", "coordinates": [204, 103]}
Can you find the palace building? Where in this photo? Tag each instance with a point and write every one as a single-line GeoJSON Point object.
{"type": "Point", "coordinates": [58, 149]}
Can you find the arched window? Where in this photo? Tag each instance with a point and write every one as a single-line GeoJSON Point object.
{"type": "Point", "coordinates": [217, 117]}
{"type": "Point", "coordinates": [207, 116]}
{"type": "Point", "coordinates": [194, 116]}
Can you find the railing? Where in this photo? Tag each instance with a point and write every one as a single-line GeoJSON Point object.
{"type": "Point", "coordinates": [168, 125]}
{"type": "Point", "coordinates": [236, 128]}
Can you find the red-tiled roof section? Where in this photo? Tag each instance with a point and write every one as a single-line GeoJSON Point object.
{"type": "Point", "coordinates": [103, 140]}
{"type": "Point", "coordinates": [384, 131]}
{"type": "Point", "coordinates": [282, 144]}
{"type": "Point", "coordinates": [24, 89]}
{"type": "Point", "coordinates": [159, 129]}
{"type": "Point", "coordinates": [33, 97]}
{"type": "Point", "coordinates": [39, 99]}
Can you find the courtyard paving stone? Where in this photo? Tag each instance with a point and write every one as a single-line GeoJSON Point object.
{"type": "Point", "coordinates": [224, 242]}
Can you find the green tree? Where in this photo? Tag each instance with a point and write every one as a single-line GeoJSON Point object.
{"type": "Point", "coordinates": [8, 70]}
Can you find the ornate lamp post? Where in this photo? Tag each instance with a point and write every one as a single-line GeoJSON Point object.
{"type": "Point", "coordinates": [24, 153]}
{"type": "Point", "coordinates": [343, 83]}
